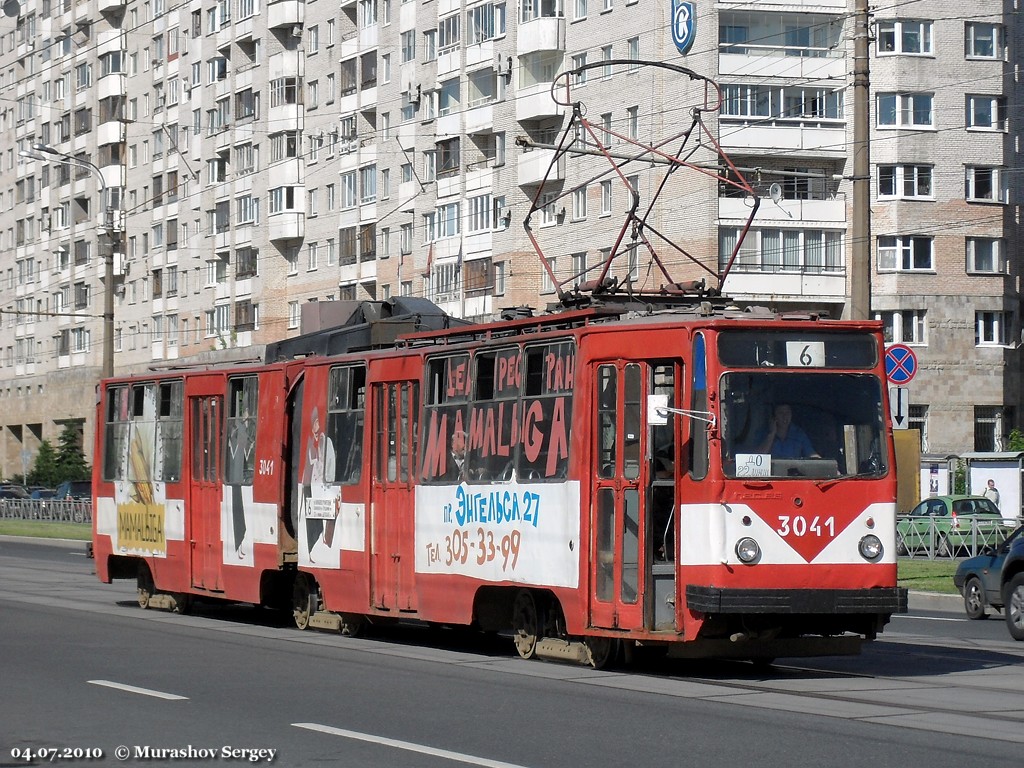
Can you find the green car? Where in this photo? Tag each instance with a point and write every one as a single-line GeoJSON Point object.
{"type": "Point", "coordinates": [949, 525]}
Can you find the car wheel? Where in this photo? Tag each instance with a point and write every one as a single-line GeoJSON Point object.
{"type": "Point", "coordinates": [974, 599]}
{"type": "Point", "coordinates": [943, 548]}
{"type": "Point", "coordinates": [1014, 606]}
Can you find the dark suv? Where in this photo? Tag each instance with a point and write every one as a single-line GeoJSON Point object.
{"type": "Point", "coordinates": [996, 578]}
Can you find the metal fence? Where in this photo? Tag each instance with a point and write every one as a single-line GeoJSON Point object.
{"type": "Point", "coordinates": [935, 538]}
{"type": "Point", "coordinates": [64, 511]}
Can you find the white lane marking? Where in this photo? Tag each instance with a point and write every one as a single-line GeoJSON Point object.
{"type": "Point", "coordinates": [928, 618]}
{"type": "Point", "coordinates": [407, 745]}
{"type": "Point", "coordinates": [143, 691]}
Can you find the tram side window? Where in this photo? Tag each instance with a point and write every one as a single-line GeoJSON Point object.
{"type": "Point", "coordinates": [492, 427]}
{"type": "Point", "coordinates": [606, 401]}
{"type": "Point", "coordinates": [346, 405]}
{"type": "Point", "coordinates": [243, 405]}
{"type": "Point", "coordinates": [546, 408]}
{"type": "Point", "coordinates": [169, 426]}
{"type": "Point", "coordinates": [445, 421]}
{"type": "Point", "coordinates": [115, 442]}
{"type": "Point", "coordinates": [142, 434]}
{"type": "Point", "coordinates": [699, 457]}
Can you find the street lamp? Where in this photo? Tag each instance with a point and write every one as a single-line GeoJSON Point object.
{"type": "Point", "coordinates": [47, 153]}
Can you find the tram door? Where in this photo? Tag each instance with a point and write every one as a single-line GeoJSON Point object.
{"type": "Point", "coordinates": [618, 507]}
{"type": "Point", "coordinates": [205, 408]}
{"type": "Point", "coordinates": [395, 409]}
{"type": "Point", "coordinates": [634, 532]}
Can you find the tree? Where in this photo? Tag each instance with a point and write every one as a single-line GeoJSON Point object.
{"type": "Point", "coordinates": [1016, 440]}
{"type": "Point", "coordinates": [70, 459]}
{"type": "Point", "coordinates": [46, 470]}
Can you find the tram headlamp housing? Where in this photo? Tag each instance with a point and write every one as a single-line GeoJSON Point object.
{"type": "Point", "coordinates": [870, 547]}
{"type": "Point", "coordinates": [747, 550]}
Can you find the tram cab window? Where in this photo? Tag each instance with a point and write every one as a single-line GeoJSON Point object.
{"type": "Point", "coordinates": [839, 416]}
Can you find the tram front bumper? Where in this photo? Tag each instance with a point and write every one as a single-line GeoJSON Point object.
{"type": "Point", "coordinates": [715, 600]}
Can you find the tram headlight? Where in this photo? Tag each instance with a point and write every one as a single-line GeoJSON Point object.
{"type": "Point", "coordinates": [747, 550]}
{"type": "Point", "coordinates": [870, 547]}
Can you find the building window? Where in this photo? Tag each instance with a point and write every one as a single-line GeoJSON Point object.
{"type": "Point", "coordinates": [606, 198]}
{"type": "Point", "coordinates": [905, 110]}
{"type": "Point", "coordinates": [783, 250]}
{"type": "Point", "coordinates": [284, 90]}
{"type": "Point", "coordinates": [983, 41]}
{"type": "Point", "coordinates": [485, 22]}
{"type": "Point", "coordinates": [984, 184]}
{"type": "Point", "coordinates": [407, 46]}
{"type": "Point", "coordinates": [246, 260]}
{"type": "Point", "coordinates": [917, 418]}
{"type": "Point", "coordinates": [368, 183]}
{"type": "Point", "coordinates": [907, 37]}
{"type": "Point", "coordinates": [448, 35]}
{"type": "Point", "coordinates": [449, 97]}
{"type": "Point", "coordinates": [908, 326]}
{"type": "Point", "coordinates": [986, 113]}
{"type": "Point", "coordinates": [905, 253]}
{"type": "Point", "coordinates": [905, 181]}
{"type": "Point", "coordinates": [547, 285]}
{"type": "Point", "coordinates": [783, 103]}
{"type": "Point", "coordinates": [992, 329]}
{"type": "Point", "coordinates": [579, 204]}
{"type": "Point", "coordinates": [985, 255]}
{"type": "Point", "coordinates": [991, 423]}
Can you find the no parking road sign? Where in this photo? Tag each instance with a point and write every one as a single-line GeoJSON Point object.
{"type": "Point", "coordinates": [900, 363]}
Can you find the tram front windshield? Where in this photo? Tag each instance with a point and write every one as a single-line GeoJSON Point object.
{"type": "Point", "coordinates": [791, 424]}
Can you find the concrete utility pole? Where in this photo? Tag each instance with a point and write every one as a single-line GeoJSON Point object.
{"type": "Point", "coordinates": [860, 252]}
{"type": "Point", "coordinates": [47, 153]}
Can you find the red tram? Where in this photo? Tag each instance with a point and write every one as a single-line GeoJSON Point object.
{"type": "Point", "coordinates": [597, 479]}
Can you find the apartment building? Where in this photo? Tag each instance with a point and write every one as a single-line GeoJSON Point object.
{"type": "Point", "coordinates": [243, 159]}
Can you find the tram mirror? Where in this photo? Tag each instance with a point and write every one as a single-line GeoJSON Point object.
{"type": "Point", "coordinates": [657, 410]}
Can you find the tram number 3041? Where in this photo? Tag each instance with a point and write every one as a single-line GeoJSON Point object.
{"type": "Point", "coordinates": [798, 525]}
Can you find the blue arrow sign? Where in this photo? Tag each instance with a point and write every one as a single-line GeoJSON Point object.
{"type": "Point", "coordinates": [900, 363]}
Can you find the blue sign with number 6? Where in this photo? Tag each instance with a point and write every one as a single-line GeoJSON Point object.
{"type": "Point", "coordinates": [684, 24]}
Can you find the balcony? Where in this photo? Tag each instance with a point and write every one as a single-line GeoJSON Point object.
{"type": "Point", "coordinates": [480, 119]}
{"type": "Point", "coordinates": [106, 6]}
{"type": "Point", "coordinates": [543, 34]}
{"type": "Point", "coordinates": [831, 211]}
{"type": "Point", "coordinates": [774, 61]}
{"type": "Point", "coordinates": [824, 137]}
{"type": "Point", "coordinates": [286, 13]}
{"type": "Point", "coordinates": [287, 225]}
{"type": "Point", "coordinates": [534, 102]}
{"type": "Point", "coordinates": [532, 166]}
{"type": "Point", "coordinates": [781, 286]}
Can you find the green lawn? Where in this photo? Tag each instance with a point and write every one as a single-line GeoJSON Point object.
{"type": "Point", "coordinates": [927, 575]}
{"type": "Point", "coordinates": [919, 575]}
{"type": "Point", "coordinates": [46, 530]}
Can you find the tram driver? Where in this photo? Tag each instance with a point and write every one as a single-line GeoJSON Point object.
{"type": "Point", "coordinates": [783, 439]}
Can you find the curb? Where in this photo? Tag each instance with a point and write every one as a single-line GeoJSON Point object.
{"type": "Point", "coordinates": [935, 601]}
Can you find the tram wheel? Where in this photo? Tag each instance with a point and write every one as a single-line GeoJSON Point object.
{"type": "Point", "coordinates": [525, 624]}
{"type": "Point", "coordinates": [352, 624]}
{"type": "Point", "coordinates": [601, 651]}
{"type": "Point", "coordinates": [303, 605]}
{"type": "Point", "coordinates": [182, 603]}
{"type": "Point", "coordinates": [144, 586]}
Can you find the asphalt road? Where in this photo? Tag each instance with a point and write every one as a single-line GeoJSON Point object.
{"type": "Point", "coordinates": [82, 667]}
